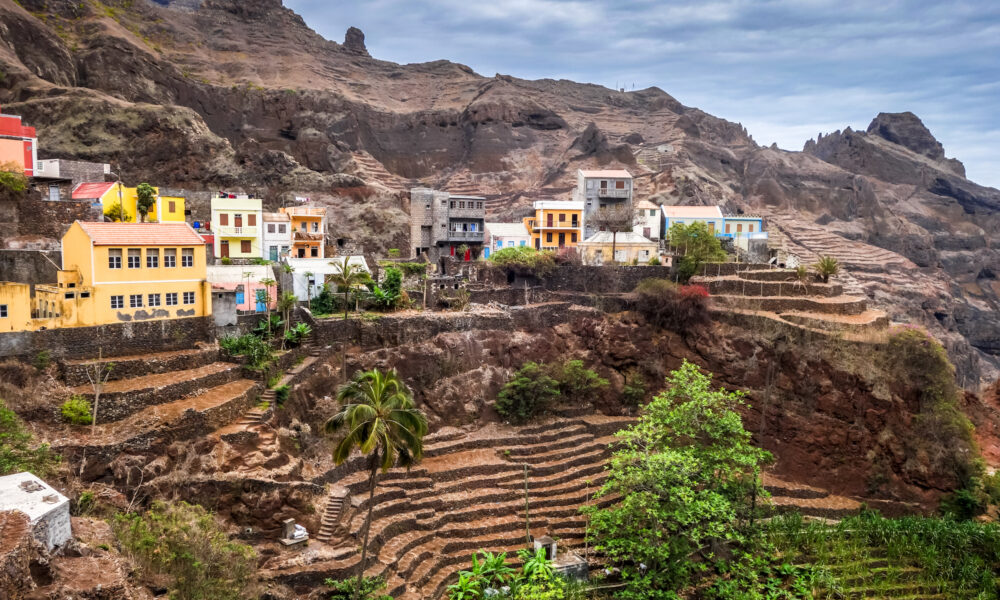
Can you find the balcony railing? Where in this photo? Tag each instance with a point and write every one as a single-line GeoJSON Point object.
{"type": "Point", "coordinates": [230, 231]}
{"type": "Point", "coordinates": [612, 193]}
{"type": "Point", "coordinates": [465, 236]}
{"type": "Point", "coordinates": [563, 225]}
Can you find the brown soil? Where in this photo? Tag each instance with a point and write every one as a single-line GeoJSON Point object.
{"type": "Point", "coordinates": [157, 380]}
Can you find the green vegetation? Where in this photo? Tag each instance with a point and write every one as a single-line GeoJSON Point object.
{"type": "Point", "coordinates": [116, 213]}
{"type": "Point", "coordinates": [298, 332]}
{"type": "Point", "coordinates": [654, 261]}
{"type": "Point", "coordinates": [826, 267]}
{"type": "Point", "coordinates": [576, 382]}
{"type": "Point", "coordinates": [390, 294]}
{"type": "Point", "coordinates": [77, 410]}
{"type": "Point", "coordinates": [688, 478]}
{"type": "Point", "coordinates": [17, 449]}
{"type": "Point", "coordinates": [490, 577]}
{"type": "Point", "coordinates": [524, 260]}
{"type": "Point", "coordinates": [377, 417]}
{"type": "Point", "coordinates": [145, 199]}
{"type": "Point", "coordinates": [679, 308]}
{"type": "Point", "coordinates": [634, 390]}
{"type": "Point", "coordinates": [183, 543]}
{"type": "Point", "coordinates": [536, 386]}
{"type": "Point", "coordinates": [261, 262]}
{"type": "Point", "coordinates": [281, 393]}
{"type": "Point", "coordinates": [226, 260]}
{"type": "Point", "coordinates": [264, 327]}
{"type": "Point", "coordinates": [412, 268]}
{"type": "Point", "coordinates": [257, 351]}
{"type": "Point", "coordinates": [12, 177]}
{"type": "Point", "coordinates": [368, 588]}
{"type": "Point", "coordinates": [323, 303]}
{"type": "Point", "coordinates": [42, 360]}
{"type": "Point", "coordinates": [695, 246]}
{"type": "Point", "coordinates": [394, 253]}
{"type": "Point", "coordinates": [349, 277]}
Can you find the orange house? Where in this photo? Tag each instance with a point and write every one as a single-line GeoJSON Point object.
{"type": "Point", "coordinates": [18, 144]}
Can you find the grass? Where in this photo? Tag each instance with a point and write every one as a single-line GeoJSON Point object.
{"type": "Point", "coordinates": [869, 556]}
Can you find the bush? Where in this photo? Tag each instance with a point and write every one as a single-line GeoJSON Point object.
{"type": "Point", "coordinates": [17, 450]}
{"type": "Point", "coordinates": [348, 589]}
{"type": "Point", "coordinates": [257, 351]}
{"type": "Point", "coordinates": [524, 260]}
{"type": "Point", "coordinates": [654, 261]}
{"type": "Point", "coordinates": [529, 393]}
{"type": "Point", "coordinates": [12, 177]}
{"type": "Point", "coordinates": [185, 543]}
{"type": "Point", "coordinates": [226, 260]}
{"type": "Point", "coordinates": [297, 333]}
{"type": "Point", "coordinates": [42, 360]}
{"type": "Point", "coordinates": [568, 255]}
{"type": "Point", "coordinates": [671, 306]}
{"type": "Point", "coordinates": [77, 410]}
{"type": "Point", "coordinates": [634, 390]}
{"type": "Point", "coordinates": [281, 394]}
{"type": "Point", "coordinates": [324, 302]}
{"type": "Point", "coordinates": [577, 382]}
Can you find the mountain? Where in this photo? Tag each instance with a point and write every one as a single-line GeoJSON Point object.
{"type": "Point", "coordinates": [231, 93]}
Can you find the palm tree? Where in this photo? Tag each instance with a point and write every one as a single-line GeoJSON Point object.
{"type": "Point", "coordinates": [381, 421]}
{"type": "Point", "coordinates": [348, 277]}
{"type": "Point", "coordinates": [286, 303]}
{"type": "Point", "coordinates": [826, 267]}
{"type": "Point", "coordinates": [267, 282]}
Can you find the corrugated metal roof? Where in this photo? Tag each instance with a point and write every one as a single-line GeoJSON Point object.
{"type": "Point", "coordinates": [692, 212]}
{"type": "Point", "coordinates": [141, 234]}
{"type": "Point", "coordinates": [91, 191]}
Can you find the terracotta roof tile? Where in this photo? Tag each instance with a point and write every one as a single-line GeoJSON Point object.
{"type": "Point", "coordinates": [141, 234]}
{"type": "Point", "coordinates": [91, 191]}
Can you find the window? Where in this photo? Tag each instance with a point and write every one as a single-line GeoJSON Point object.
{"type": "Point", "coordinates": [188, 297]}
{"type": "Point", "coordinates": [562, 218]}
{"type": "Point", "coordinates": [153, 299]}
{"type": "Point", "coordinates": [548, 237]}
{"type": "Point", "coordinates": [135, 301]}
{"type": "Point", "coordinates": [54, 193]}
{"type": "Point", "coordinates": [115, 258]}
{"type": "Point", "coordinates": [729, 227]}
{"type": "Point", "coordinates": [134, 258]}
{"type": "Point", "coordinates": [572, 237]}
{"type": "Point", "coordinates": [652, 212]}
{"type": "Point", "coordinates": [461, 204]}
{"type": "Point", "coordinates": [620, 185]}
{"type": "Point", "coordinates": [69, 295]}
{"type": "Point", "coordinates": [314, 251]}
{"type": "Point", "coordinates": [171, 298]}
{"type": "Point", "coordinates": [171, 206]}
{"type": "Point", "coordinates": [303, 226]}
{"type": "Point", "coordinates": [452, 204]}
{"type": "Point", "coordinates": [604, 184]}
{"type": "Point", "coordinates": [281, 228]}
{"type": "Point", "coordinates": [170, 258]}
{"type": "Point", "coordinates": [510, 243]}
{"type": "Point", "coordinates": [252, 220]}
{"type": "Point", "coordinates": [117, 301]}
{"type": "Point", "coordinates": [245, 246]}
{"type": "Point", "coordinates": [315, 227]}
{"type": "Point", "coordinates": [85, 294]}
{"type": "Point", "coordinates": [739, 228]}
{"type": "Point", "coordinates": [270, 227]}
{"type": "Point", "coordinates": [152, 258]}
{"type": "Point", "coordinates": [524, 243]}
{"type": "Point", "coordinates": [187, 257]}
{"type": "Point", "coordinates": [3, 311]}
{"type": "Point", "coordinates": [590, 184]}
{"type": "Point", "coordinates": [479, 204]}
{"type": "Point", "coordinates": [223, 218]}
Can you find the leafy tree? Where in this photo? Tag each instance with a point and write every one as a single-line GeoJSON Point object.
{"type": "Point", "coordinates": [826, 267]}
{"type": "Point", "coordinates": [524, 260]}
{"type": "Point", "coordinates": [145, 199]}
{"type": "Point", "coordinates": [695, 245]}
{"type": "Point", "coordinates": [634, 389]}
{"type": "Point", "coordinates": [615, 218]}
{"type": "Point", "coordinates": [577, 382]}
{"type": "Point", "coordinates": [529, 393]}
{"type": "Point", "coordinates": [185, 543]}
{"type": "Point", "coordinates": [76, 410]}
{"type": "Point", "coordinates": [688, 478]}
{"type": "Point", "coordinates": [12, 177]}
{"type": "Point", "coordinates": [17, 450]}
{"type": "Point", "coordinates": [116, 213]}
{"type": "Point", "coordinates": [324, 302]}
{"type": "Point", "coordinates": [349, 277]}
{"type": "Point", "coordinates": [381, 421]}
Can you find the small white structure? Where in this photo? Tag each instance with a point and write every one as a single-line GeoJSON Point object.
{"type": "Point", "coordinates": [647, 220]}
{"type": "Point", "coordinates": [277, 236]}
{"type": "Point", "coordinates": [47, 508]}
{"type": "Point", "coordinates": [505, 235]}
{"type": "Point", "coordinates": [308, 274]}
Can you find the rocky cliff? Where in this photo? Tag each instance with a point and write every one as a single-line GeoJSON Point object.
{"type": "Point", "coordinates": [243, 94]}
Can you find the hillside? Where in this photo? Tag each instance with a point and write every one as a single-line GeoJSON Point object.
{"type": "Point", "coordinates": [244, 94]}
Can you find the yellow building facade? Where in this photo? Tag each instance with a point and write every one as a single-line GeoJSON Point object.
{"type": "Point", "coordinates": [555, 224]}
{"type": "Point", "coordinates": [308, 230]}
{"type": "Point", "coordinates": [237, 222]}
{"type": "Point", "coordinates": [15, 306]}
{"type": "Point", "coordinates": [167, 209]}
{"type": "Point", "coordinates": [627, 247]}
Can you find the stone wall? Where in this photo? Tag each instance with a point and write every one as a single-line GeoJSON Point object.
{"type": "Point", "coordinates": [119, 339]}
{"type": "Point", "coordinates": [51, 219]}
{"type": "Point", "coordinates": [17, 549]}
{"type": "Point", "coordinates": [780, 305]}
{"type": "Point", "coordinates": [29, 266]}
{"type": "Point", "coordinates": [606, 279]}
{"type": "Point", "coordinates": [743, 287]}
{"type": "Point", "coordinates": [74, 372]}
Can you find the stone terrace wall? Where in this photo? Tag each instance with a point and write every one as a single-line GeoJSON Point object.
{"type": "Point", "coordinates": [17, 549]}
{"type": "Point", "coordinates": [29, 266]}
{"type": "Point", "coordinates": [604, 279]}
{"type": "Point", "coordinates": [118, 339]}
{"type": "Point", "coordinates": [52, 218]}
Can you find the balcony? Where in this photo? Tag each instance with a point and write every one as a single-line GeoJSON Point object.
{"type": "Point", "coordinates": [565, 226]}
{"type": "Point", "coordinates": [612, 193]}
{"type": "Point", "coordinates": [465, 236]}
{"type": "Point", "coordinates": [230, 231]}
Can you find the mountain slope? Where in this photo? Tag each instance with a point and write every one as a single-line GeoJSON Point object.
{"type": "Point", "coordinates": [243, 94]}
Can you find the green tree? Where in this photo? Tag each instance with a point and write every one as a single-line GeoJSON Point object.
{"type": "Point", "coordinates": [527, 394]}
{"type": "Point", "coordinates": [268, 283]}
{"type": "Point", "coordinates": [116, 213]}
{"type": "Point", "coordinates": [286, 304]}
{"type": "Point", "coordinates": [688, 478]}
{"type": "Point", "coordinates": [695, 245]}
{"type": "Point", "coordinates": [185, 543]}
{"type": "Point", "coordinates": [349, 277]}
{"type": "Point", "coordinates": [381, 421]}
{"type": "Point", "coordinates": [18, 451]}
{"type": "Point", "coordinates": [323, 304]}
{"type": "Point", "coordinates": [577, 382]}
{"type": "Point", "coordinates": [826, 267]}
{"type": "Point", "coordinates": [145, 199]}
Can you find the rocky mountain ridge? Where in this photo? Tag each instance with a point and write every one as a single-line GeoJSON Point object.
{"type": "Point", "coordinates": [243, 94]}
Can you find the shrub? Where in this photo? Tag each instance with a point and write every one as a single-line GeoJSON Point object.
{"type": "Point", "coordinates": [257, 351]}
{"type": "Point", "coordinates": [826, 267]}
{"type": "Point", "coordinates": [695, 245]}
{"type": "Point", "coordinates": [348, 589]}
{"type": "Point", "coordinates": [412, 268]}
{"type": "Point", "coordinates": [394, 252]}
{"type": "Point", "coordinates": [671, 306]}
{"type": "Point", "coordinates": [85, 502]}
{"type": "Point", "coordinates": [297, 333]}
{"type": "Point", "coordinates": [77, 410]}
{"type": "Point", "coordinates": [281, 394]}
{"type": "Point", "coordinates": [42, 360]}
{"type": "Point", "coordinates": [324, 302]}
{"type": "Point", "coordinates": [577, 382]}
{"type": "Point", "coordinates": [12, 177]}
{"type": "Point", "coordinates": [654, 261]}
{"type": "Point", "coordinates": [634, 390]}
{"type": "Point", "coordinates": [529, 393]}
{"type": "Point", "coordinates": [524, 260]}
{"type": "Point", "coordinates": [17, 450]}
{"type": "Point", "coordinates": [226, 260]}
{"type": "Point", "coordinates": [259, 261]}
{"type": "Point", "coordinates": [185, 543]}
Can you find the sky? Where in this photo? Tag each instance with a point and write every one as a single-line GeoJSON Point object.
{"type": "Point", "coordinates": [786, 69]}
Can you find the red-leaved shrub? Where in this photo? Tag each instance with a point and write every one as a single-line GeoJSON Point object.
{"type": "Point", "coordinates": [678, 308]}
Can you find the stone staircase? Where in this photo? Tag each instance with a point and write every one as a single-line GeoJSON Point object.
{"type": "Point", "coordinates": [330, 524]}
{"type": "Point", "coordinates": [371, 170]}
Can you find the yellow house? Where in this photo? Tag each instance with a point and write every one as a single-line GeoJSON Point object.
{"type": "Point", "coordinates": [628, 247]}
{"type": "Point", "coordinates": [555, 224]}
{"type": "Point", "coordinates": [237, 224]}
{"type": "Point", "coordinates": [131, 272]}
{"type": "Point", "coordinates": [111, 194]}
{"type": "Point", "coordinates": [15, 306]}
{"type": "Point", "coordinates": [308, 230]}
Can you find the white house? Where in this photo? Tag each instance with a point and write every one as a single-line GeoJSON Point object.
{"type": "Point", "coordinates": [277, 235]}
{"type": "Point", "coordinates": [505, 235]}
{"type": "Point", "coordinates": [709, 215]}
{"type": "Point", "coordinates": [47, 508]}
{"type": "Point", "coordinates": [647, 220]}
{"type": "Point", "coordinates": [309, 274]}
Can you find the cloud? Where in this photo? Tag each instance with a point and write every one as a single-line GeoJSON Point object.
{"type": "Point", "coordinates": [786, 69]}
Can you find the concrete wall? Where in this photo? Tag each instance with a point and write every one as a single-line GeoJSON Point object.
{"type": "Point", "coordinates": [118, 339]}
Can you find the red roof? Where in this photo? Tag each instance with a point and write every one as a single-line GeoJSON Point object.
{"type": "Point", "coordinates": [141, 234]}
{"type": "Point", "coordinates": [91, 191]}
